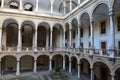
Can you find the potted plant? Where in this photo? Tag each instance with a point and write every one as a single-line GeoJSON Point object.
{"type": "Point", "coordinates": [57, 70]}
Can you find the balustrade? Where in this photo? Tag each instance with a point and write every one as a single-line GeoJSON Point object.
{"type": "Point", "coordinates": [100, 52]}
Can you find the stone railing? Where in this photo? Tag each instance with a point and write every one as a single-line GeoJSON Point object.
{"type": "Point", "coordinates": [100, 52]}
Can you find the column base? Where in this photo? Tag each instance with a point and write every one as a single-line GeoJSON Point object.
{"type": "Point", "coordinates": [91, 50]}
{"type": "Point", "coordinates": [35, 49]}
{"type": "Point", "coordinates": [17, 74]}
{"type": "Point", "coordinates": [19, 48]}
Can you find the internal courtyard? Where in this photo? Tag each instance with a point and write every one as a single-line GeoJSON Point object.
{"type": "Point", "coordinates": [81, 37]}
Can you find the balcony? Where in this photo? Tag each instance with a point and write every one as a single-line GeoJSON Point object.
{"type": "Point", "coordinates": [97, 52]}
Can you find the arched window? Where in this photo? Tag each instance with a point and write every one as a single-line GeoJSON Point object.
{"type": "Point", "coordinates": [28, 7]}
{"type": "Point", "coordinates": [14, 5]}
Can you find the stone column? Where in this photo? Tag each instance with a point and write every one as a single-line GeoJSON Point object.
{"type": "Point", "coordinates": [35, 66]}
{"type": "Point", "coordinates": [50, 64]}
{"type": "Point", "coordinates": [51, 7]}
{"type": "Point", "coordinates": [78, 36]}
{"type": "Point", "coordinates": [19, 40]}
{"type": "Point", "coordinates": [78, 1]}
{"type": "Point", "coordinates": [63, 62]}
{"type": "Point", "coordinates": [92, 37]}
{"type": "Point", "coordinates": [18, 68]}
{"type": "Point", "coordinates": [112, 76]}
{"type": "Point", "coordinates": [112, 34]}
{"type": "Point", "coordinates": [69, 66]}
{"type": "Point", "coordinates": [21, 5]}
{"type": "Point", "coordinates": [2, 3]}
{"type": "Point", "coordinates": [35, 40]}
{"type": "Point", "coordinates": [70, 5]}
{"type": "Point", "coordinates": [92, 74]}
{"type": "Point", "coordinates": [51, 39]}
{"type": "Point", "coordinates": [0, 39]}
{"type": "Point", "coordinates": [37, 5]}
{"type": "Point", "coordinates": [79, 71]}
{"type": "Point", "coordinates": [70, 39]}
{"type": "Point", "coordinates": [64, 4]}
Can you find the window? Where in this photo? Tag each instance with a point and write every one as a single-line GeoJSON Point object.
{"type": "Point", "coordinates": [14, 5]}
{"type": "Point", "coordinates": [89, 31]}
{"type": "Point", "coordinates": [81, 44]}
{"type": "Point", "coordinates": [0, 3]}
{"type": "Point", "coordinates": [103, 27]}
{"type": "Point", "coordinates": [119, 48]}
{"type": "Point", "coordinates": [118, 25]}
{"type": "Point", "coordinates": [81, 31]}
{"type": "Point", "coordinates": [89, 44]}
{"type": "Point", "coordinates": [28, 7]}
{"type": "Point", "coordinates": [103, 47]}
{"type": "Point", "coordinates": [118, 44]}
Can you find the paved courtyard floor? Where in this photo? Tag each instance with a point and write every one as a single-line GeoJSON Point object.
{"type": "Point", "coordinates": [41, 75]}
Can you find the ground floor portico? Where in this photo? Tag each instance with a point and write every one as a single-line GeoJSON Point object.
{"type": "Point", "coordinates": [81, 65]}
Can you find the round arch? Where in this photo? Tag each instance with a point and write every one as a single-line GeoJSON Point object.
{"type": "Point", "coordinates": [43, 62]}
{"type": "Point", "coordinates": [8, 21]}
{"type": "Point", "coordinates": [30, 22]}
{"type": "Point", "coordinates": [104, 3]}
{"type": "Point", "coordinates": [8, 64]}
{"type": "Point", "coordinates": [30, 63]}
{"type": "Point", "coordinates": [57, 61]}
{"type": "Point", "coordinates": [100, 68]}
{"type": "Point", "coordinates": [102, 61]}
{"type": "Point", "coordinates": [82, 13]}
{"type": "Point", "coordinates": [116, 66]}
{"type": "Point", "coordinates": [45, 24]}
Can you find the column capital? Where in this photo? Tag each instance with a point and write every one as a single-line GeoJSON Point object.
{"type": "Point", "coordinates": [17, 60]}
{"type": "Point", "coordinates": [35, 59]}
{"type": "Point", "coordinates": [112, 74]}
{"type": "Point", "coordinates": [111, 12]}
{"type": "Point", "coordinates": [92, 20]}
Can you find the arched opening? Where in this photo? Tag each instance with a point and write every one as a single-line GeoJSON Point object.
{"type": "Point", "coordinates": [101, 25]}
{"type": "Point", "coordinates": [66, 62]}
{"type": "Point", "coordinates": [117, 74]}
{"type": "Point", "coordinates": [100, 69]}
{"type": "Point", "coordinates": [28, 7]}
{"type": "Point", "coordinates": [8, 64]}
{"type": "Point", "coordinates": [26, 63]}
{"type": "Point", "coordinates": [116, 9]}
{"type": "Point", "coordinates": [43, 39]}
{"type": "Point", "coordinates": [67, 35]}
{"type": "Point", "coordinates": [74, 65]}
{"type": "Point", "coordinates": [57, 36]}
{"type": "Point", "coordinates": [14, 5]}
{"type": "Point", "coordinates": [56, 6]}
{"type": "Point", "coordinates": [85, 69]}
{"type": "Point", "coordinates": [57, 61]}
{"type": "Point", "coordinates": [85, 31]}
{"type": "Point", "coordinates": [74, 33]}
{"type": "Point", "coordinates": [27, 31]}
{"type": "Point", "coordinates": [43, 62]}
{"type": "Point", "coordinates": [9, 33]}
